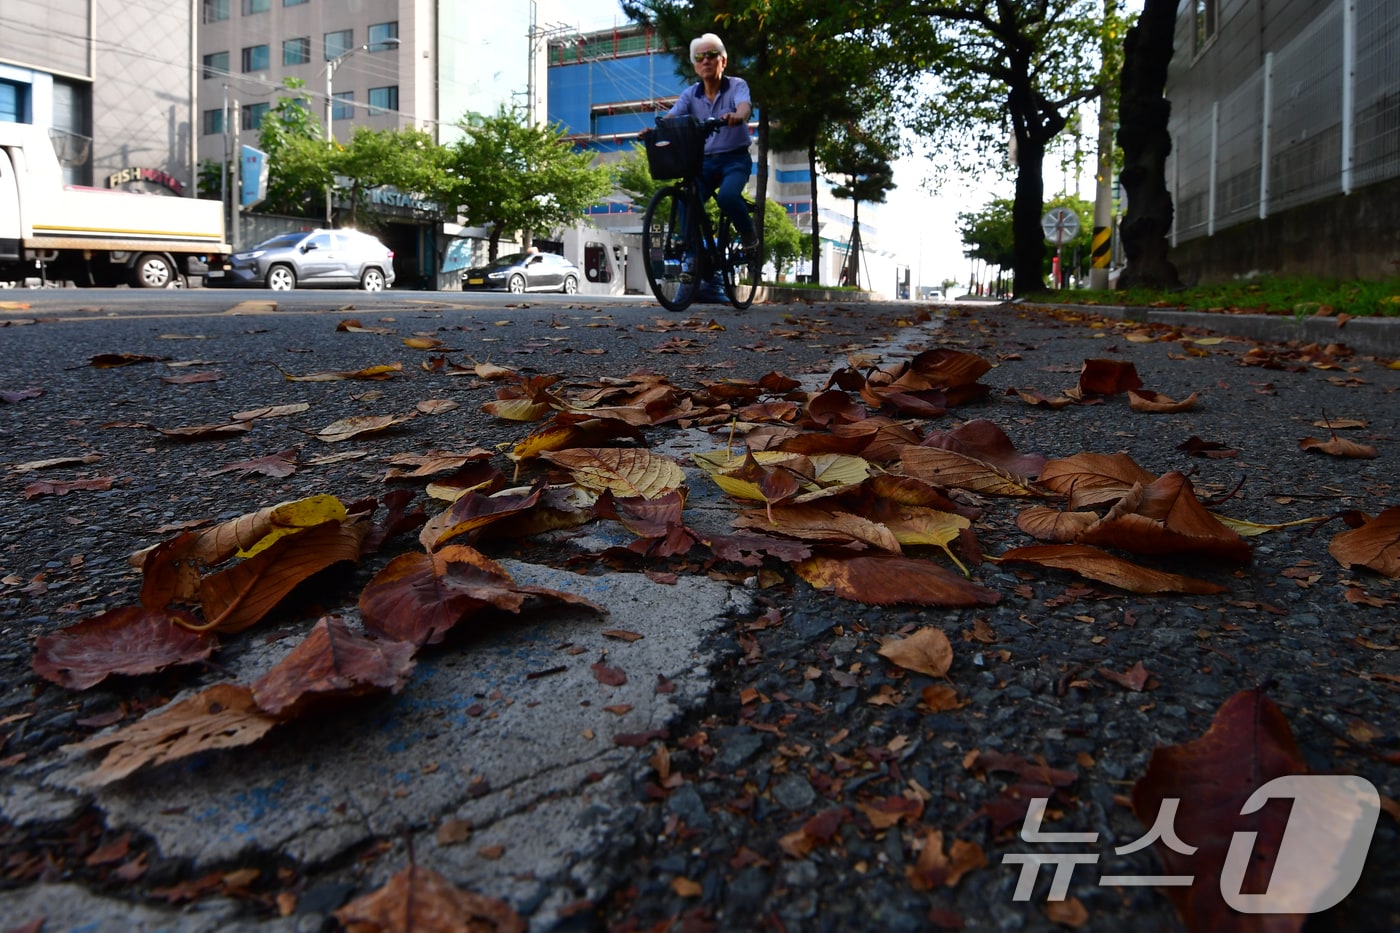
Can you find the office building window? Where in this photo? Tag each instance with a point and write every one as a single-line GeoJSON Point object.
{"type": "Point", "coordinates": [296, 51]}
{"type": "Point", "coordinates": [380, 33]}
{"type": "Point", "coordinates": [14, 102]}
{"type": "Point", "coordinates": [215, 11]}
{"type": "Point", "coordinates": [1207, 20]}
{"type": "Point", "coordinates": [253, 115]}
{"type": "Point", "coordinates": [338, 43]}
{"type": "Point", "coordinates": [212, 122]}
{"type": "Point", "coordinates": [343, 108]}
{"type": "Point", "coordinates": [256, 6]}
{"type": "Point", "coordinates": [293, 2]}
{"type": "Point", "coordinates": [383, 99]}
{"type": "Point", "coordinates": [215, 66]}
{"type": "Point", "coordinates": [256, 58]}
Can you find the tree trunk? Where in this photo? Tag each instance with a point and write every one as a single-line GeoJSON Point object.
{"type": "Point", "coordinates": [1028, 252]}
{"type": "Point", "coordinates": [1143, 137]}
{"type": "Point", "coordinates": [853, 254]}
{"type": "Point", "coordinates": [816, 226]}
{"type": "Point", "coordinates": [494, 244]}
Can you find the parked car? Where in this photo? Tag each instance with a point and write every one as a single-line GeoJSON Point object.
{"type": "Point", "coordinates": [525, 272]}
{"type": "Point", "coordinates": [312, 259]}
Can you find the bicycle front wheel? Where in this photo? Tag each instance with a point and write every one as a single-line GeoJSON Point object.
{"type": "Point", "coordinates": [668, 245]}
{"type": "Point", "coordinates": [741, 268]}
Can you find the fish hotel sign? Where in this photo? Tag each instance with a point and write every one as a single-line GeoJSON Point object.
{"type": "Point", "coordinates": [155, 176]}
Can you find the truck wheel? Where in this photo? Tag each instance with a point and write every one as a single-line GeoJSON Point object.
{"type": "Point", "coordinates": [281, 279]}
{"type": "Point", "coordinates": [152, 270]}
{"type": "Point", "coordinates": [372, 280]}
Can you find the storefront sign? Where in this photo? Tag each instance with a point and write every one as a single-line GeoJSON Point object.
{"type": "Point", "coordinates": [154, 175]}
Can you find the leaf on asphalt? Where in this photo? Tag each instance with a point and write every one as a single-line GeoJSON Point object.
{"type": "Point", "coordinates": [1040, 400]}
{"type": "Point", "coordinates": [472, 511]}
{"type": "Point", "coordinates": [1375, 545]}
{"type": "Point", "coordinates": [19, 395]}
{"type": "Point", "coordinates": [1103, 567]}
{"type": "Point", "coordinates": [332, 663]}
{"type": "Point", "coordinates": [356, 425]}
{"type": "Point", "coordinates": [1166, 518]}
{"type": "Point", "coordinates": [213, 546]}
{"type": "Point", "coordinates": [927, 651]}
{"type": "Point", "coordinates": [1340, 447]}
{"type": "Point", "coordinates": [1090, 479]}
{"type": "Point", "coordinates": [62, 487]}
{"type": "Point", "coordinates": [1134, 678]}
{"type": "Point", "coordinates": [131, 640]}
{"type": "Point", "coordinates": [608, 676]}
{"type": "Point", "coordinates": [211, 375]}
{"type": "Point", "coordinates": [1212, 450]}
{"type": "Point", "coordinates": [914, 526]}
{"type": "Point", "coordinates": [571, 429]}
{"type": "Point", "coordinates": [1247, 745]}
{"type": "Point", "coordinates": [1108, 377]}
{"type": "Point", "coordinates": [419, 597]}
{"type": "Point", "coordinates": [51, 462]}
{"type": "Point", "coordinates": [984, 440]}
{"type": "Point", "coordinates": [935, 869]}
{"type": "Point", "coordinates": [656, 522]}
{"type": "Point", "coordinates": [954, 470]}
{"type": "Point", "coordinates": [1148, 402]}
{"type": "Point", "coordinates": [422, 343]}
{"type": "Point", "coordinates": [892, 580]}
{"type": "Point", "coordinates": [113, 360]}
{"type": "Point", "coordinates": [817, 831]}
{"type": "Point", "coordinates": [436, 406]}
{"type": "Point", "coordinates": [819, 523]}
{"type": "Point", "coordinates": [491, 372]}
{"type": "Point", "coordinates": [432, 463]}
{"type": "Point", "coordinates": [207, 432]}
{"type": "Point", "coordinates": [353, 326]}
{"type": "Point", "coordinates": [1046, 524]}
{"type": "Point", "coordinates": [270, 411]}
{"type": "Point", "coordinates": [279, 465]}
{"type": "Point", "coordinates": [221, 716]}
{"type": "Point", "coordinates": [623, 471]}
{"type": "Point", "coordinates": [372, 373]}
{"type": "Point", "coordinates": [530, 399]}
{"type": "Point", "coordinates": [419, 900]}
{"type": "Point", "coordinates": [236, 598]}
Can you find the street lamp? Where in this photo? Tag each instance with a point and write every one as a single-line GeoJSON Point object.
{"type": "Point", "coordinates": [331, 66]}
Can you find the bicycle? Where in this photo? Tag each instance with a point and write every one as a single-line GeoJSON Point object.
{"type": "Point", "coordinates": [683, 251]}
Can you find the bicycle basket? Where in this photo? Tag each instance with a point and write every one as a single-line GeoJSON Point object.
{"type": "Point", "coordinates": [676, 148]}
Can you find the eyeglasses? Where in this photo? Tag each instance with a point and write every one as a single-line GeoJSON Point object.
{"type": "Point", "coordinates": [711, 55]}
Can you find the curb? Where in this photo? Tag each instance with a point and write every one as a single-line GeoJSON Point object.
{"type": "Point", "coordinates": [1368, 336]}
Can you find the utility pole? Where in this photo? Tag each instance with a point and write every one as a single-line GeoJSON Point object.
{"type": "Point", "coordinates": [236, 201]}
{"type": "Point", "coordinates": [1101, 248]}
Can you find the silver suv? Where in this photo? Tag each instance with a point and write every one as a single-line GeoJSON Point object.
{"type": "Point", "coordinates": [313, 259]}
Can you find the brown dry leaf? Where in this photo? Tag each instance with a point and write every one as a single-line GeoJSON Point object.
{"type": "Point", "coordinates": [1375, 545]}
{"type": "Point", "coordinates": [354, 426]}
{"type": "Point", "coordinates": [279, 465]}
{"type": "Point", "coordinates": [418, 597]}
{"type": "Point", "coordinates": [207, 432]}
{"type": "Point", "coordinates": [1340, 447]}
{"type": "Point", "coordinates": [927, 651]}
{"type": "Point", "coordinates": [1149, 402]}
{"type": "Point", "coordinates": [1167, 518]}
{"type": "Point", "coordinates": [570, 429]}
{"type": "Point", "coordinates": [1040, 400]}
{"type": "Point", "coordinates": [131, 640]}
{"type": "Point", "coordinates": [1338, 424]}
{"type": "Point", "coordinates": [891, 580]}
{"type": "Point", "coordinates": [490, 371]}
{"type": "Point", "coordinates": [934, 869]}
{"type": "Point", "coordinates": [941, 698]}
{"type": "Point", "coordinates": [624, 471]}
{"type": "Point", "coordinates": [1108, 377]}
{"type": "Point", "coordinates": [113, 360]}
{"type": "Point", "coordinates": [30, 465]}
{"type": "Point", "coordinates": [211, 375]}
{"type": "Point", "coordinates": [473, 511]}
{"type": "Point", "coordinates": [1090, 479]}
{"type": "Point", "coordinates": [952, 469]}
{"type": "Point", "coordinates": [270, 411]}
{"type": "Point", "coordinates": [221, 716]}
{"type": "Point", "coordinates": [1047, 524]}
{"type": "Point", "coordinates": [371, 373]}
{"type": "Point", "coordinates": [236, 598]}
{"type": "Point", "coordinates": [1069, 912]}
{"type": "Point", "coordinates": [817, 831]}
{"type": "Point", "coordinates": [815, 522]}
{"type": "Point", "coordinates": [243, 535]}
{"type": "Point", "coordinates": [422, 343]}
{"type": "Point", "coordinates": [63, 487]}
{"type": "Point", "coordinates": [436, 406]}
{"type": "Point", "coordinates": [1134, 678]}
{"type": "Point", "coordinates": [419, 900]}
{"type": "Point", "coordinates": [985, 441]}
{"type": "Point", "coordinates": [1094, 564]}
{"type": "Point", "coordinates": [330, 663]}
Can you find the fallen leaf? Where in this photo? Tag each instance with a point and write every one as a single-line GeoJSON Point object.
{"type": "Point", "coordinates": [625, 471]}
{"type": "Point", "coordinates": [356, 425]}
{"type": "Point", "coordinates": [1340, 447]}
{"type": "Point", "coordinates": [131, 640]}
{"type": "Point", "coordinates": [927, 651]}
{"type": "Point", "coordinates": [892, 580]}
{"type": "Point", "coordinates": [1108, 377]}
{"type": "Point", "coordinates": [331, 663]}
{"type": "Point", "coordinates": [1096, 564]}
{"type": "Point", "coordinates": [1375, 545]}
{"type": "Point", "coordinates": [63, 487]}
{"type": "Point", "coordinates": [419, 900]}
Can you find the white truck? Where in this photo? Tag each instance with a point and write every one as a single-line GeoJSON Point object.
{"type": "Point", "coordinates": [93, 236]}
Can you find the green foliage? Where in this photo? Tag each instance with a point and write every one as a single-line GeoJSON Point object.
{"type": "Point", "coordinates": [406, 159]}
{"type": "Point", "coordinates": [988, 234]}
{"type": "Point", "coordinates": [632, 175]}
{"type": "Point", "coordinates": [782, 241]}
{"type": "Point", "coordinates": [508, 176]}
{"type": "Point", "coordinates": [1297, 297]}
{"type": "Point", "coordinates": [297, 157]}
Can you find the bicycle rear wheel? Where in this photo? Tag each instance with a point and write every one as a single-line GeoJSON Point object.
{"type": "Point", "coordinates": [741, 268]}
{"type": "Point", "coordinates": [669, 236]}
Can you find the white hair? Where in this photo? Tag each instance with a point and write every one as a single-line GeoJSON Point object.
{"type": "Point", "coordinates": [708, 38]}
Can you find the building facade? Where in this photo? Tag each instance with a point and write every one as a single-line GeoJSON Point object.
{"type": "Point", "coordinates": [1285, 125]}
{"type": "Point", "coordinates": [111, 82]}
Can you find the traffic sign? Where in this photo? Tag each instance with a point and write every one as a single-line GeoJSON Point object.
{"type": "Point", "coordinates": [1060, 224]}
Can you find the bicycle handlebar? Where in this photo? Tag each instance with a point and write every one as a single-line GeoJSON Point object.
{"type": "Point", "coordinates": [712, 125]}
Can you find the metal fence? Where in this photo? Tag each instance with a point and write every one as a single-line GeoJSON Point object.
{"type": "Point", "coordinates": [1320, 117]}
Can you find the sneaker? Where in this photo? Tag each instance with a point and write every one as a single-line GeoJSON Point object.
{"type": "Point", "coordinates": [748, 250]}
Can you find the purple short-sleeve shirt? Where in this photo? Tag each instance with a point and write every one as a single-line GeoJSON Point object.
{"type": "Point", "coordinates": [732, 92]}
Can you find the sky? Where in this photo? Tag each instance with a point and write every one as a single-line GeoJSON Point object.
{"type": "Point", "coordinates": [918, 226]}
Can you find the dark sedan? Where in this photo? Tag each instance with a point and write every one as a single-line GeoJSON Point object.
{"type": "Point", "coordinates": [525, 272]}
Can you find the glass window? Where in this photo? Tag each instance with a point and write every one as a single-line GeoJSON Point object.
{"type": "Point", "coordinates": [256, 6]}
{"type": "Point", "coordinates": [256, 58]}
{"type": "Point", "coordinates": [215, 66]}
{"type": "Point", "coordinates": [344, 106]}
{"type": "Point", "coordinates": [293, 2]}
{"type": "Point", "coordinates": [253, 115]}
{"type": "Point", "coordinates": [212, 122]}
{"type": "Point", "coordinates": [383, 99]}
{"type": "Point", "coordinates": [215, 11]}
{"type": "Point", "coordinates": [1207, 19]}
{"type": "Point", "coordinates": [380, 33]}
{"type": "Point", "coordinates": [296, 51]}
{"type": "Point", "coordinates": [14, 102]}
{"type": "Point", "coordinates": [338, 43]}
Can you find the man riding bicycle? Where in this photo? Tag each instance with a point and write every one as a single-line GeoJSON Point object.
{"type": "Point", "coordinates": [728, 164]}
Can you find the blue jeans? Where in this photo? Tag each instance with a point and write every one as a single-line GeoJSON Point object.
{"type": "Point", "coordinates": [729, 171]}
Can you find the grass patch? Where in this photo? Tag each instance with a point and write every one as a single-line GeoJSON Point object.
{"type": "Point", "coordinates": [1297, 298]}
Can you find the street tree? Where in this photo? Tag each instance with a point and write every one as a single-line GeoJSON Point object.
{"type": "Point", "coordinates": [1143, 137]}
{"type": "Point", "coordinates": [989, 237]}
{"type": "Point", "coordinates": [298, 156]}
{"type": "Point", "coordinates": [1002, 71]}
{"type": "Point", "coordinates": [404, 159]}
{"type": "Point", "coordinates": [859, 152]}
{"type": "Point", "coordinates": [508, 176]}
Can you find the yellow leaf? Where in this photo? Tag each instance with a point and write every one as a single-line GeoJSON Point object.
{"type": "Point", "coordinates": [516, 409]}
{"type": "Point", "coordinates": [292, 517]}
{"type": "Point", "coordinates": [1248, 529]}
{"type": "Point", "coordinates": [422, 343]}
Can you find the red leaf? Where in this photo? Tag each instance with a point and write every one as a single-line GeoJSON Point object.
{"type": "Point", "coordinates": [609, 676]}
{"type": "Point", "coordinates": [332, 662]}
{"type": "Point", "coordinates": [129, 640]}
{"type": "Point", "coordinates": [1108, 377]}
